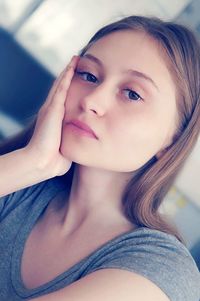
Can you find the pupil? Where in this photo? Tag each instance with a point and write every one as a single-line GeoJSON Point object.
{"type": "Point", "coordinates": [134, 94]}
{"type": "Point", "coordinates": [91, 77]}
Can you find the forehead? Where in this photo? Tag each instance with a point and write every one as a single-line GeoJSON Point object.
{"type": "Point", "coordinates": [126, 45]}
{"type": "Point", "coordinates": [136, 50]}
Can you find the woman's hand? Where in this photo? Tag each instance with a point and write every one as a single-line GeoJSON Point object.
{"type": "Point", "coordinates": [45, 142]}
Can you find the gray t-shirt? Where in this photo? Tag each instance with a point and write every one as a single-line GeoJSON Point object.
{"type": "Point", "coordinates": [153, 254]}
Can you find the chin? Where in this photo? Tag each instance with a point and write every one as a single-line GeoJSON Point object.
{"type": "Point", "coordinates": [76, 154]}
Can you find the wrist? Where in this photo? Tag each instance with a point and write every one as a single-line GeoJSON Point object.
{"type": "Point", "coordinates": [39, 166]}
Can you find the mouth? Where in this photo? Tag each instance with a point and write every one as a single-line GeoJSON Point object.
{"type": "Point", "coordinates": [82, 128]}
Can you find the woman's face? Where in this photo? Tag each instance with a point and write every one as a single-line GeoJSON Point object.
{"type": "Point", "coordinates": [133, 113]}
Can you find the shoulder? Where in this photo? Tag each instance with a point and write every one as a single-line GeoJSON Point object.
{"type": "Point", "coordinates": [158, 257]}
{"type": "Point", "coordinates": [110, 284]}
{"type": "Point", "coordinates": [140, 265]}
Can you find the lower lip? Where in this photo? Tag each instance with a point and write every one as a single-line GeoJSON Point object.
{"type": "Point", "coordinates": [80, 131]}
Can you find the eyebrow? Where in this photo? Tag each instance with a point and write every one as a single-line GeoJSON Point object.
{"type": "Point", "coordinates": [130, 71]}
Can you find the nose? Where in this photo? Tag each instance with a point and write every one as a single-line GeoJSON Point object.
{"type": "Point", "coordinates": [97, 100]}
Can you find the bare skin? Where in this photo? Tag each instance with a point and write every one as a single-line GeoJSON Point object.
{"type": "Point", "coordinates": [47, 241]}
{"type": "Point", "coordinates": [130, 132]}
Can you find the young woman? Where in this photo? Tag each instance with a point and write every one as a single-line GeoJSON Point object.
{"type": "Point", "coordinates": [82, 185]}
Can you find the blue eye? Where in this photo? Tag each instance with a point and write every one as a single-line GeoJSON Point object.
{"type": "Point", "coordinates": [89, 76]}
{"type": "Point", "coordinates": [133, 95]}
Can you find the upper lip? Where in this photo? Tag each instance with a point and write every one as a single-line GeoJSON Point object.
{"type": "Point", "coordinates": [83, 126]}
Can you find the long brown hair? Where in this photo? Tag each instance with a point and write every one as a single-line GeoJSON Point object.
{"type": "Point", "coordinates": [145, 192]}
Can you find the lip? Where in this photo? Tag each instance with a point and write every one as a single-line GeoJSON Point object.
{"type": "Point", "coordinates": [83, 126]}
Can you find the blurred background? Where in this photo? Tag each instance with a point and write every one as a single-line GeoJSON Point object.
{"type": "Point", "coordinates": [37, 40]}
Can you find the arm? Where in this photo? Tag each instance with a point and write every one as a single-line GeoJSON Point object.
{"type": "Point", "coordinates": [107, 285]}
{"type": "Point", "coordinates": [41, 159]}
{"type": "Point", "coordinates": [19, 170]}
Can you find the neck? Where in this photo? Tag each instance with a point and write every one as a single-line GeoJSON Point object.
{"type": "Point", "coordinates": [95, 194]}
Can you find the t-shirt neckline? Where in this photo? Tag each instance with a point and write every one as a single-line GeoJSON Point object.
{"type": "Point", "coordinates": [18, 248]}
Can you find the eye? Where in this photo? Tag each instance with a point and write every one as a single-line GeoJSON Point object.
{"type": "Point", "coordinates": [89, 77]}
{"type": "Point", "coordinates": [133, 95]}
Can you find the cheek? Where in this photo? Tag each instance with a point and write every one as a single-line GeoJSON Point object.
{"type": "Point", "coordinates": [132, 129]}
{"type": "Point", "coordinates": [76, 92]}
{"type": "Point", "coordinates": [72, 97]}
{"type": "Point", "coordinates": [135, 140]}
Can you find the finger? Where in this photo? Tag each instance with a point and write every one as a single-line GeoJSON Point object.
{"type": "Point", "coordinates": [55, 86]}
{"type": "Point", "coordinates": [63, 86]}
{"type": "Point", "coordinates": [72, 64]}
{"type": "Point", "coordinates": [52, 92]}
{"type": "Point", "coordinates": [66, 72]}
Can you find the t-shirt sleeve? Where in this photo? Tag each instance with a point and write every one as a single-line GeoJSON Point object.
{"type": "Point", "coordinates": [161, 258]}
{"type": "Point", "coordinates": [12, 200]}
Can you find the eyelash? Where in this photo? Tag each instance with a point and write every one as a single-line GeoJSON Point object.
{"type": "Point", "coordinates": [127, 89]}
